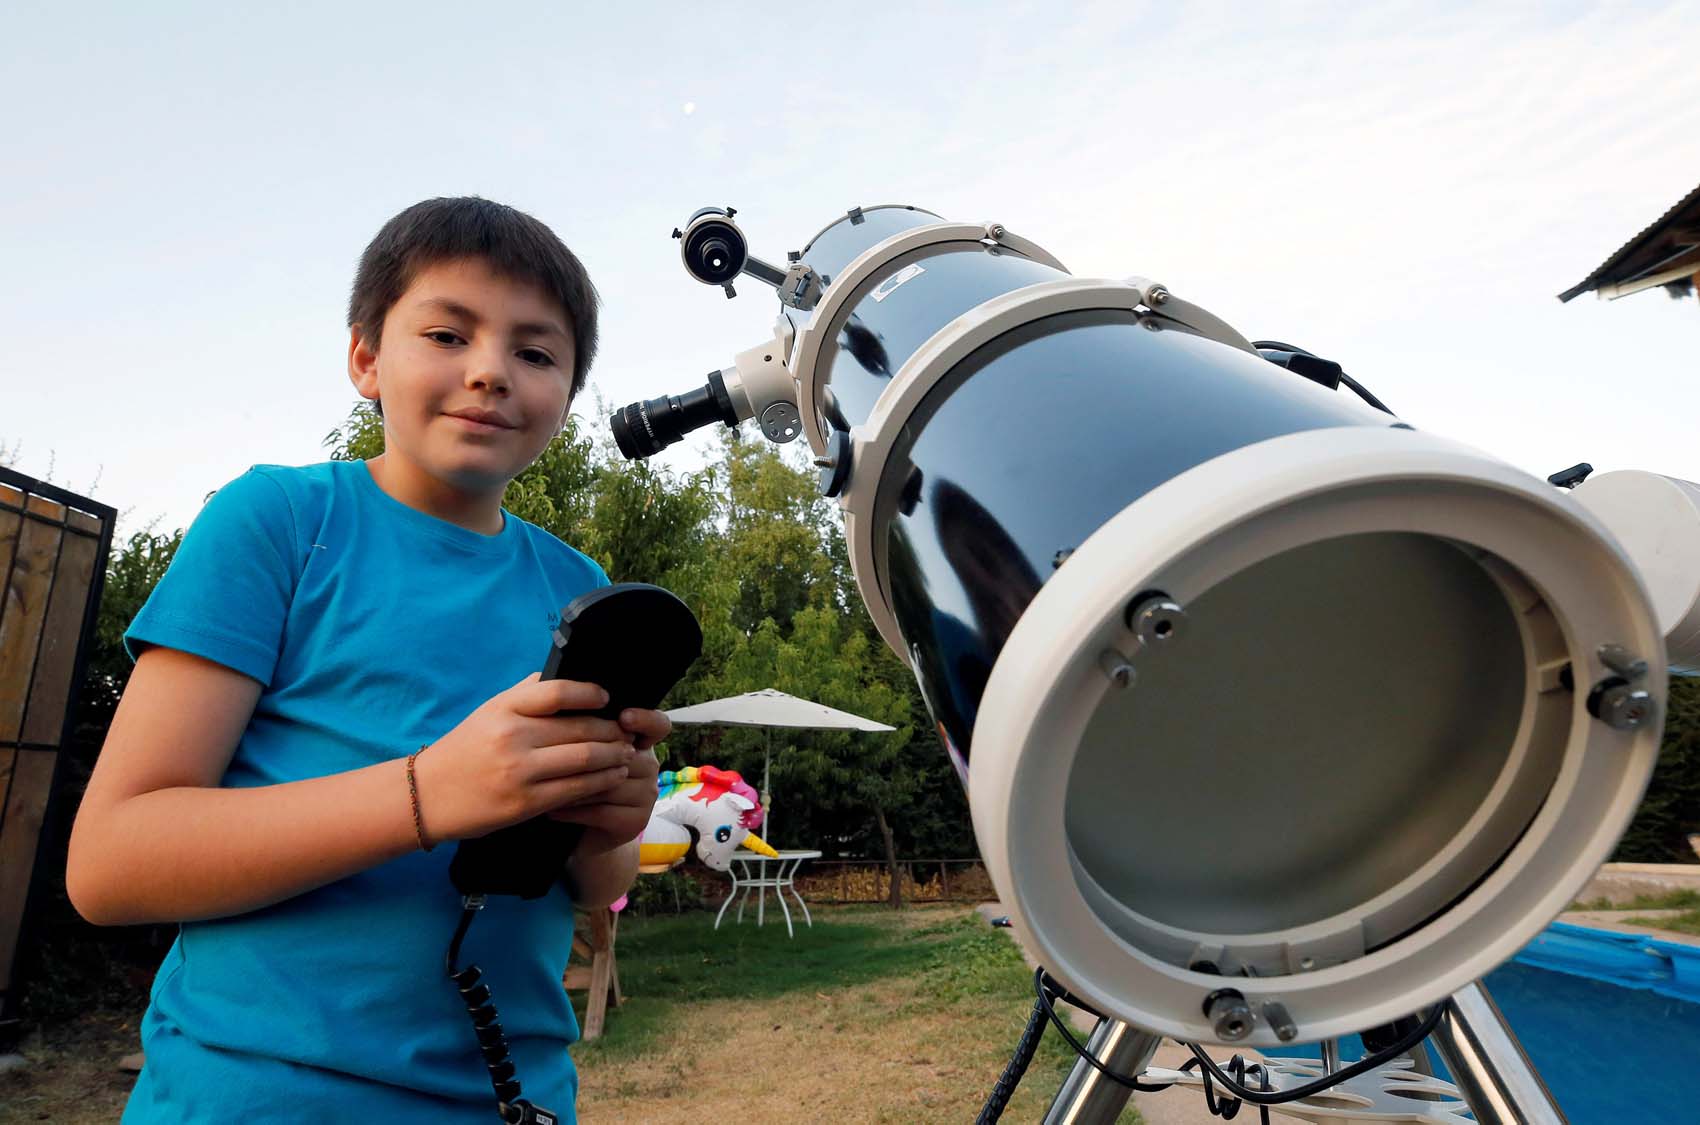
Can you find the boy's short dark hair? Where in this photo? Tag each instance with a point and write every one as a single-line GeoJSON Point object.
{"type": "Point", "coordinates": [512, 243]}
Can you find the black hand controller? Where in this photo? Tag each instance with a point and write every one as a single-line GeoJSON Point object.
{"type": "Point", "coordinates": [633, 639]}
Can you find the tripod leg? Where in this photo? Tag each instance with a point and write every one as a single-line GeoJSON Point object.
{"type": "Point", "coordinates": [1488, 1064]}
{"type": "Point", "coordinates": [1087, 1097]}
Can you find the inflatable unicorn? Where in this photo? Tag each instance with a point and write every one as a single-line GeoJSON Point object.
{"type": "Point", "coordinates": [715, 807]}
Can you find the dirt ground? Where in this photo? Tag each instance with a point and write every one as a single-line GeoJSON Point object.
{"type": "Point", "coordinates": [896, 1049]}
{"type": "Point", "coordinates": [72, 1074]}
{"type": "Point", "coordinates": [878, 1055]}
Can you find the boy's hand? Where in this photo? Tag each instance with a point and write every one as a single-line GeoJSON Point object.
{"type": "Point", "coordinates": [646, 727]}
{"type": "Point", "coordinates": [515, 758]}
{"type": "Point", "coordinates": [620, 814]}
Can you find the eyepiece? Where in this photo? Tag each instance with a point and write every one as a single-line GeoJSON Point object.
{"type": "Point", "coordinates": [713, 247]}
{"type": "Point", "coordinates": [643, 429]}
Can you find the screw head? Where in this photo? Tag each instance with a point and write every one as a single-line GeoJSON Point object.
{"type": "Point", "coordinates": [1623, 707]}
{"type": "Point", "coordinates": [996, 230]}
{"type": "Point", "coordinates": [1280, 1021]}
{"type": "Point", "coordinates": [1230, 1017]}
{"type": "Point", "coordinates": [1623, 662]}
{"type": "Point", "coordinates": [1157, 296]}
{"type": "Point", "coordinates": [1116, 667]}
{"type": "Point", "coordinates": [1156, 620]}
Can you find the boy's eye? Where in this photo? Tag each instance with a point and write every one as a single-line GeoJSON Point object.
{"type": "Point", "coordinates": [443, 336]}
{"type": "Point", "coordinates": [537, 357]}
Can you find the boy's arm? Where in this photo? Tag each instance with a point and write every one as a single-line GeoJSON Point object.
{"type": "Point", "coordinates": [605, 865]}
{"type": "Point", "coordinates": [156, 840]}
{"type": "Point", "coordinates": [598, 880]}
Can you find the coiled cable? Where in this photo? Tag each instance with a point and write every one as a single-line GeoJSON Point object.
{"type": "Point", "coordinates": [492, 1041]}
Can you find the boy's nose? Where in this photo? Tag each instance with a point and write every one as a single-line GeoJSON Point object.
{"type": "Point", "coordinates": [488, 372]}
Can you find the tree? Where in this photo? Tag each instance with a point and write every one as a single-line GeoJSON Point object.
{"type": "Point", "coordinates": [1670, 810]}
{"type": "Point", "coordinates": [798, 624]}
{"type": "Point", "coordinates": [830, 778]}
{"type": "Point", "coordinates": [777, 531]}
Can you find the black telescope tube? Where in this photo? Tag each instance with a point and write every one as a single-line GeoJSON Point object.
{"type": "Point", "coordinates": [643, 429]}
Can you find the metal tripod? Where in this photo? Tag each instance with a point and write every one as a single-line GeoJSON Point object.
{"type": "Point", "coordinates": [1491, 1075]}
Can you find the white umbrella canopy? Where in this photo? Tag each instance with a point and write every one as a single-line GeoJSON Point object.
{"type": "Point", "coordinates": [770, 708]}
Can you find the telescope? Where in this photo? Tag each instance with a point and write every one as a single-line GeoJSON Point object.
{"type": "Point", "coordinates": [1280, 720]}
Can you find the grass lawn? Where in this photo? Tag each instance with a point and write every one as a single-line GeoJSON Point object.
{"type": "Point", "coordinates": [1684, 923]}
{"type": "Point", "coordinates": [1673, 900]}
{"type": "Point", "coordinates": [870, 1015]}
{"type": "Point", "coordinates": [1688, 922]}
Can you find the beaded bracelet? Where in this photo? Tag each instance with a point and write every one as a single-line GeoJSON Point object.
{"type": "Point", "coordinates": [413, 795]}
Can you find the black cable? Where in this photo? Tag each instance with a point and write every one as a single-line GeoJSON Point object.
{"type": "Point", "coordinates": [1225, 1108]}
{"type": "Point", "coordinates": [1011, 1076]}
{"type": "Point", "coordinates": [492, 1041]}
{"type": "Point", "coordinates": [468, 912]}
{"type": "Point", "coordinates": [1279, 346]}
{"type": "Point", "coordinates": [1265, 1097]}
{"type": "Point", "coordinates": [1039, 979]}
{"type": "Point", "coordinates": [1228, 1108]}
{"type": "Point", "coordinates": [1362, 391]}
{"type": "Point", "coordinates": [1368, 1062]}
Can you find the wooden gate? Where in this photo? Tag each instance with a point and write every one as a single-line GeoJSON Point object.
{"type": "Point", "coordinates": [53, 551]}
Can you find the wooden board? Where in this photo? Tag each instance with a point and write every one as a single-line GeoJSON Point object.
{"type": "Point", "coordinates": [56, 659]}
{"type": "Point", "coordinates": [30, 773]}
{"type": "Point", "coordinates": [10, 523]}
{"type": "Point", "coordinates": [23, 611]}
{"type": "Point", "coordinates": [594, 935]}
{"type": "Point", "coordinates": [50, 563]}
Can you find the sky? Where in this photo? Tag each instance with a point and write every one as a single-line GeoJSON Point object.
{"type": "Point", "coordinates": [1402, 187]}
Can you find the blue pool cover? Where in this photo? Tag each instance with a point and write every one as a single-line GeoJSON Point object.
{"type": "Point", "coordinates": [1625, 960]}
{"type": "Point", "coordinates": [1611, 1021]}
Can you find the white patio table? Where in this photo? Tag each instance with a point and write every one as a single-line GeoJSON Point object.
{"type": "Point", "coordinates": [753, 872]}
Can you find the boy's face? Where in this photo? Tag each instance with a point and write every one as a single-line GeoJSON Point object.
{"type": "Point", "coordinates": [475, 373]}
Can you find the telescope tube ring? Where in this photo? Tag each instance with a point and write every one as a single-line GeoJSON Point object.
{"type": "Point", "coordinates": [823, 327]}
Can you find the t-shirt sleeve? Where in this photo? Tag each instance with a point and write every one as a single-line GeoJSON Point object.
{"type": "Point", "coordinates": [226, 594]}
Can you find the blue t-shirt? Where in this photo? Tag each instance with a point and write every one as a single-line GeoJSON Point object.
{"type": "Point", "coordinates": [374, 629]}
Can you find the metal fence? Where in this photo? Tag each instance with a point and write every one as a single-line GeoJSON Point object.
{"type": "Point", "coordinates": [869, 880]}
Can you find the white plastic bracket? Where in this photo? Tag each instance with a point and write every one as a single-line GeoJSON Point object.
{"type": "Point", "coordinates": [761, 387]}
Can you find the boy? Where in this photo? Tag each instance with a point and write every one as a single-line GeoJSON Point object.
{"type": "Point", "coordinates": [318, 703]}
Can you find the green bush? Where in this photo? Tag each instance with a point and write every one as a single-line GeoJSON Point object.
{"type": "Point", "coordinates": [671, 892]}
{"type": "Point", "coordinates": [1670, 811]}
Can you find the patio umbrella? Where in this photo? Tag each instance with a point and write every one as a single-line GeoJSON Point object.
{"type": "Point", "coordinates": [768, 709]}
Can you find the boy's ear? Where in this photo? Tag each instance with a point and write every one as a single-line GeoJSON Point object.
{"type": "Point", "coordinates": [362, 365]}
